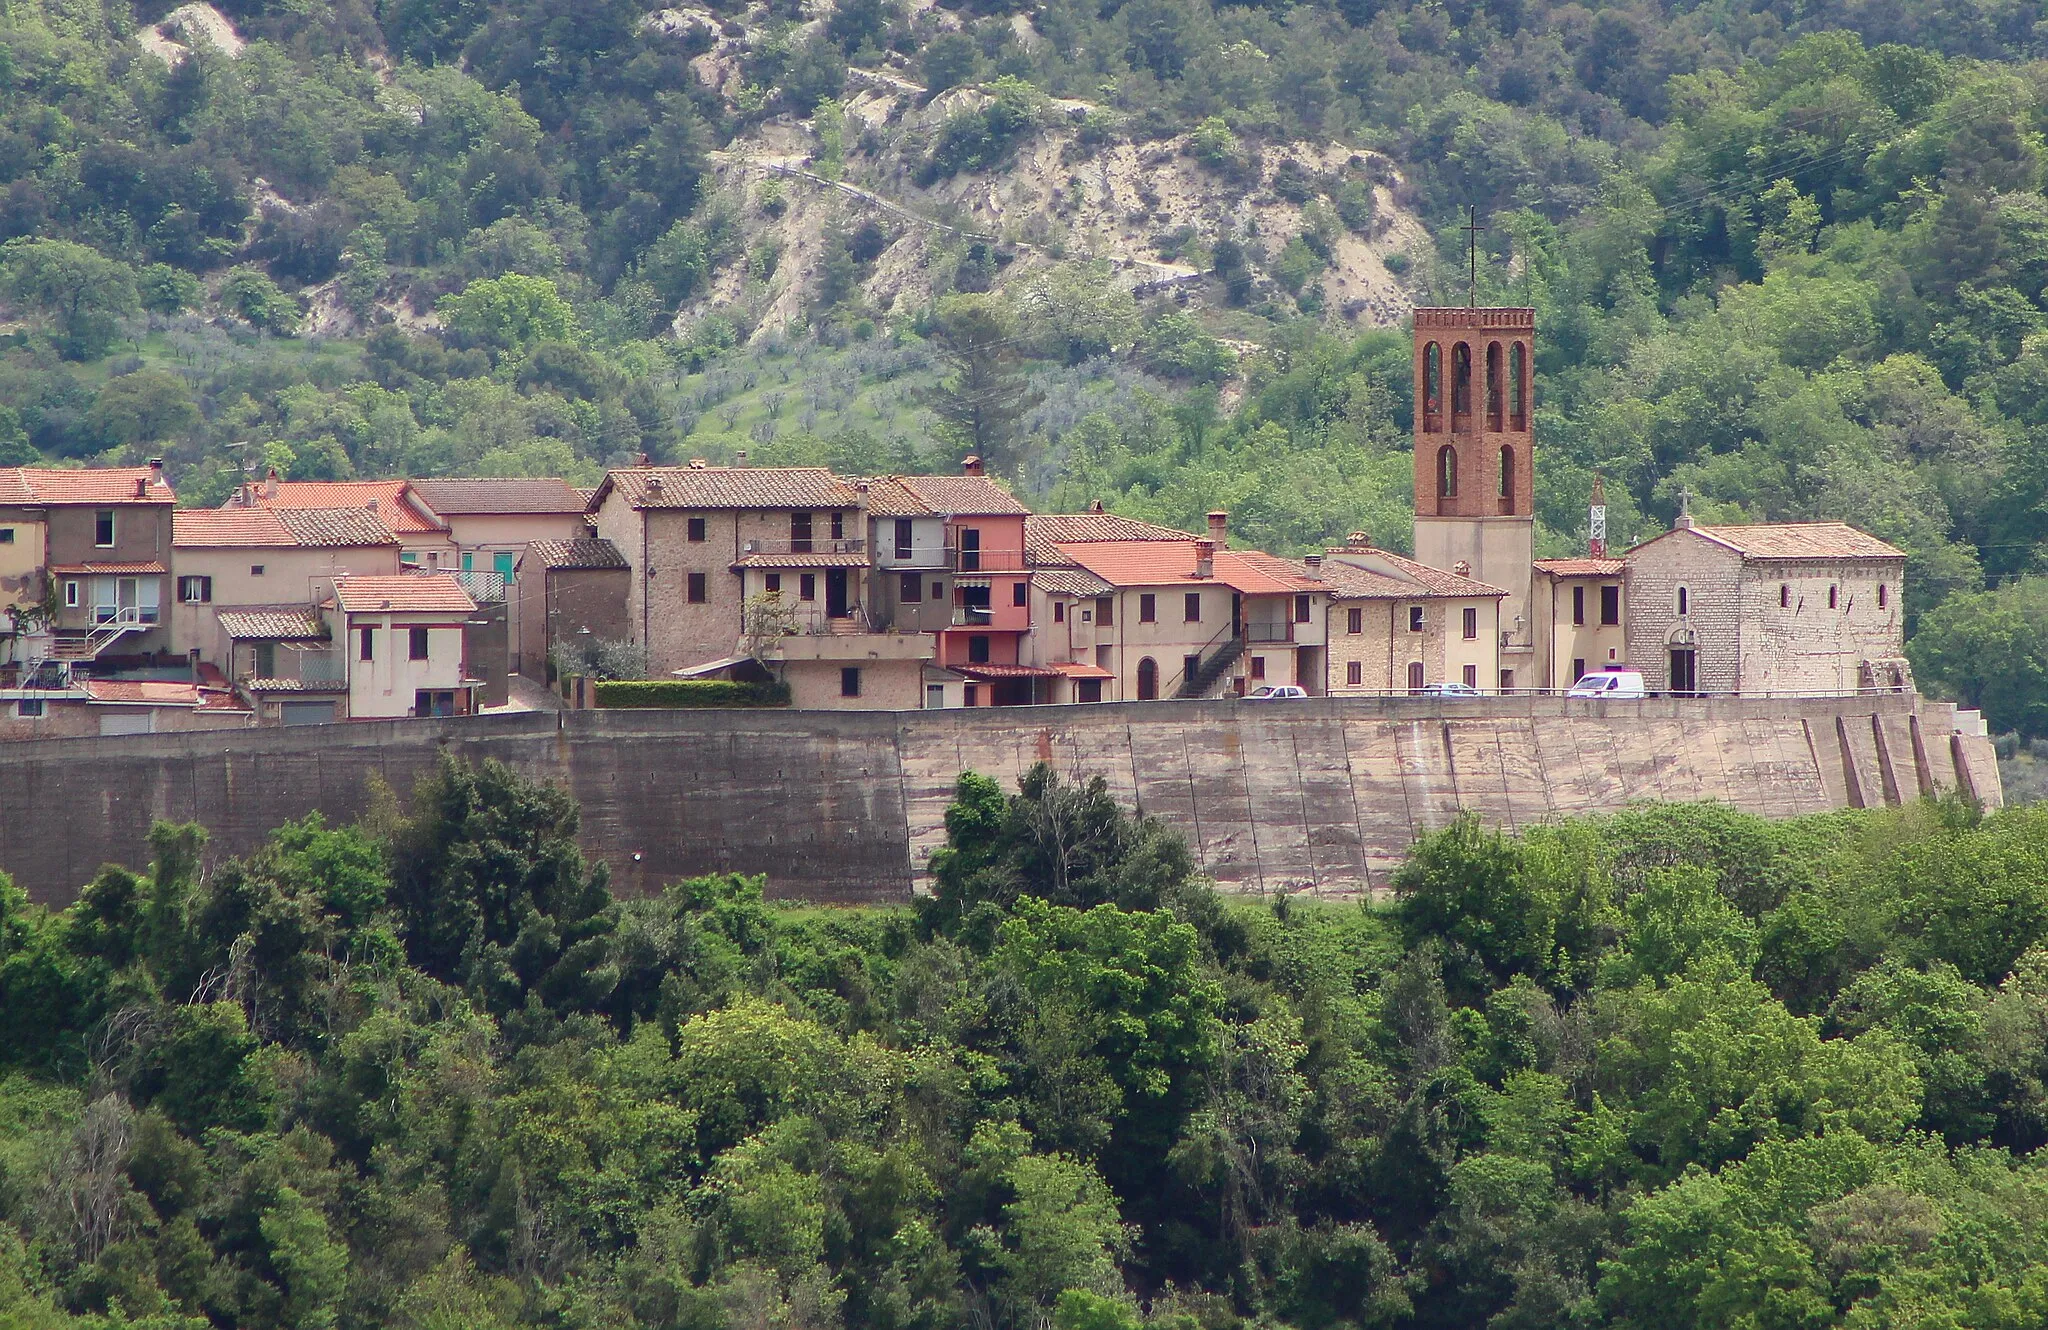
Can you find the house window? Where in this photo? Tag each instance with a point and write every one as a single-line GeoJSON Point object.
{"type": "Point", "coordinates": [1471, 624]}
{"type": "Point", "coordinates": [1191, 607]}
{"type": "Point", "coordinates": [1414, 676]}
{"type": "Point", "coordinates": [1105, 611]}
{"type": "Point", "coordinates": [912, 589]}
{"type": "Point", "coordinates": [1258, 667]}
{"type": "Point", "coordinates": [6, 535]}
{"type": "Point", "coordinates": [1883, 595]}
{"type": "Point", "coordinates": [977, 650]}
{"type": "Point", "coordinates": [849, 681]}
{"type": "Point", "coordinates": [904, 531]}
{"type": "Point", "coordinates": [800, 533]}
{"type": "Point", "coordinates": [416, 644]}
{"type": "Point", "coordinates": [266, 660]}
{"type": "Point", "coordinates": [938, 589]}
{"type": "Point", "coordinates": [1507, 681]}
{"type": "Point", "coordinates": [409, 559]}
{"type": "Point", "coordinates": [773, 583]}
{"type": "Point", "coordinates": [1834, 597]}
{"type": "Point", "coordinates": [501, 564]}
{"type": "Point", "coordinates": [1301, 609]}
{"type": "Point", "coordinates": [1684, 601]}
{"type": "Point", "coordinates": [29, 708]}
{"type": "Point", "coordinates": [1471, 676]}
{"type": "Point", "coordinates": [71, 595]}
{"type": "Point", "coordinates": [1610, 605]}
{"type": "Point", "coordinates": [807, 586]}
{"type": "Point", "coordinates": [839, 526]}
{"type": "Point", "coordinates": [468, 561]}
{"type": "Point", "coordinates": [1415, 618]}
{"type": "Point", "coordinates": [1578, 670]}
{"type": "Point", "coordinates": [1354, 621]}
{"type": "Point", "coordinates": [696, 528]}
{"type": "Point", "coordinates": [103, 527]}
{"type": "Point", "coordinates": [1354, 673]}
{"type": "Point", "coordinates": [369, 649]}
{"type": "Point", "coordinates": [1059, 611]}
{"type": "Point", "coordinates": [1020, 594]}
{"type": "Point", "coordinates": [195, 590]}
{"type": "Point", "coordinates": [698, 594]}
{"type": "Point", "coordinates": [970, 549]}
{"type": "Point", "coordinates": [255, 570]}
{"type": "Point", "coordinates": [1578, 604]}
{"type": "Point", "coordinates": [1784, 595]}
{"type": "Point", "coordinates": [1189, 667]}
{"type": "Point", "coordinates": [1148, 607]}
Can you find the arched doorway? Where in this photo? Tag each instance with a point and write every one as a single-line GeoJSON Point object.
{"type": "Point", "coordinates": [1148, 680]}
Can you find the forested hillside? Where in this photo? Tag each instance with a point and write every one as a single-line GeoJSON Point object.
{"type": "Point", "coordinates": [1675, 1068]}
{"type": "Point", "coordinates": [1789, 256]}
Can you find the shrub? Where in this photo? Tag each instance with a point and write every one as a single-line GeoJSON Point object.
{"type": "Point", "coordinates": [619, 694]}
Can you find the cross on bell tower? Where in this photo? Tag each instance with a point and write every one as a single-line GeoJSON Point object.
{"type": "Point", "coordinates": [1475, 463]}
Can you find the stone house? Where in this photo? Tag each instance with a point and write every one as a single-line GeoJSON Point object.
{"type": "Point", "coordinates": [101, 541]}
{"type": "Point", "coordinates": [261, 558]}
{"type": "Point", "coordinates": [568, 591]}
{"type": "Point", "coordinates": [402, 643]}
{"type": "Point", "coordinates": [1396, 625]}
{"type": "Point", "coordinates": [424, 538]}
{"type": "Point", "coordinates": [1577, 608]}
{"type": "Point", "coordinates": [1804, 607]}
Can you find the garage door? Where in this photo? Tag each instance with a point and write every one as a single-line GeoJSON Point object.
{"type": "Point", "coordinates": [307, 713]}
{"type": "Point", "coordinates": [127, 722]}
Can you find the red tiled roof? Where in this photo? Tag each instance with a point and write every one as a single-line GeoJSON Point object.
{"type": "Point", "coordinates": [129, 569]}
{"type": "Point", "coordinates": [1074, 669]}
{"type": "Point", "coordinates": [148, 692]}
{"type": "Point", "coordinates": [990, 672]}
{"type": "Point", "coordinates": [952, 496]}
{"type": "Point", "coordinates": [1044, 532]}
{"type": "Point", "coordinates": [223, 528]}
{"type": "Point", "coordinates": [1581, 567]}
{"type": "Point", "coordinates": [1076, 582]}
{"type": "Point", "coordinates": [581, 554]}
{"type": "Point", "coordinates": [393, 500]}
{"type": "Point", "coordinates": [287, 623]}
{"type": "Point", "coordinates": [455, 496]}
{"type": "Point", "coordinates": [103, 485]}
{"type": "Point", "coordinates": [1801, 540]}
{"type": "Point", "coordinates": [1384, 563]}
{"type": "Point", "coordinates": [764, 487]}
{"type": "Point", "coordinates": [801, 561]}
{"type": "Point", "coordinates": [1137, 563]}
{"type": "Point", "coordinates": [295, 685]}
{"type": "Point", "coordinates": [403, 593]}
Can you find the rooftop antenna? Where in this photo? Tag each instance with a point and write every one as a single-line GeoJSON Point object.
{"type": "Point", "coordinates": [1471, 228]}
{"type": "Point", "coordinates": [1596, 544]}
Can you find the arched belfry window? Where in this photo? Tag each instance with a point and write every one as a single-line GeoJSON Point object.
{"type": "Point", "coordinates": [1432, 388]}
{"type": "Point", "coordinates": [1447, 472]}
{"type": "Point", "coordinates": [1518, 387]}
{"type": "Point", "coordinates": [1507, 479]}
{"type": "Point", "coordinates": [1461, 386]}
{"type": "Point", "coordinates": [1493, 386]}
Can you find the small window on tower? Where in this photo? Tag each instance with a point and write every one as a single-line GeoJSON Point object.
{"type": "Point", "coordinates": [1784, 595]}
{"type": "Point", "coordinates": [1684, 601]}
{"type": "Point", "coordinates": [1834, 597]}
{"type": "Point", "coordinates": [1883, 595]}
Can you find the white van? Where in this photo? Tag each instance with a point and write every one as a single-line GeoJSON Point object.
{"type": "Point", "coordinates": [1610, 683]}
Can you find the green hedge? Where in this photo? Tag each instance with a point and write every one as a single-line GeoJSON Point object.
{"type": "Point", "coordinates": [688, 693]}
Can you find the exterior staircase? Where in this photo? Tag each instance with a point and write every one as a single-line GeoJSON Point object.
{"type": "Point", "coordinates": [1213, 667]}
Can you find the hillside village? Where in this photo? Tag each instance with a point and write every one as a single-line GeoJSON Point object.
{"type": "Point", "coordinates": [300, 602]}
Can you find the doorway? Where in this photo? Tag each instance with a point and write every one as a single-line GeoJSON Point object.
{"type": "Point", "coordinates": [1148, 679]}
{"type": "Point", "coordinates": [835, 593]}
{"type": "Point", "coordinates": [1684, 670]}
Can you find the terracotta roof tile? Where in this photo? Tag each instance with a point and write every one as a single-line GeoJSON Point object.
{"type": "Point", "coordinates": [730, 487]}
{"type": "Point", "coordinates": [1581, 567]}
{"type": "Point", "coordinates": [888, 496]}
{"type": "Point", "coordinates": [1419, 578]}
{"type": "Point", "coordinates": [108, 485]}
{"type": "Point", "coordinates": [237, 528]}
{"type": "Point", "coordinates": [1801, 540]}
{"type": "Point", "coordinates": [295, 685]}
{"type": "Point", "coordinates": [1076, 582]}
{"type": "Point", "coordinates": [1043, 532]}
{"type": "Point", "coordinates": [453, 496]}
{"type": "Point", "coordinates": [953, 496]}
{"type": "Point", "coordinates": [329, 528]}
{"type": "Point", "coordinates": [109, 568]}
{"type": "Point", "coordinates": [1138, 563]}
{"type": "Point", "coordinates": [1006, 671]}
{"type": "Point", "coordinates": [812, 560]}
{"type": "Point", "coordinates": [588, 553]}
{"type": "Point", "coordinates": [285, 623]}
{"type": "Point", "coordinates": [393, 500]}
{"type": "Point", "coordinates": [151, 692]}
{"type": "Point", "coordinates": [403, 593]}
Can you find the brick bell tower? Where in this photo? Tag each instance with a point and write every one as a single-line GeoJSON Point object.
{"type": "Point", "coordinates": [1475, 462]}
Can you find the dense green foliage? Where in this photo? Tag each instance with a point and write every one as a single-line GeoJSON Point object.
{"type": "Point", "coordinates": [1677, 1067]}
{"type": "Point", "coordinates": [688, 693]}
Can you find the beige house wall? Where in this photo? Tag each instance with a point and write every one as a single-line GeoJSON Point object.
{"type": "Point", "coordinates": [1559, 641]}
{"type": "Point", "coordinates": [489, 532]}
{"type": "Point", "coordinates": [885, 685]}
{"type": "Point", "coordinates": [1167, 641]}
{"type": "Point", "coordinates": [290, 576]}
{"type": "Point", "coordinates": [21, 559]}
{"type": "Point", "coordinates": [384, 685]}
{"type": "Point", "coordinates": [1385, 647]}
{"type": "Point", "coordinates": [1498, 551]}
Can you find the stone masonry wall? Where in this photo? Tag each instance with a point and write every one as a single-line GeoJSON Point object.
{"type": "Point", "coordinates": [1323, 795]}
{"type": "Point", "coordinates": [1712, 576]}
{"type": "Point", "coordinates": [1807, 646]}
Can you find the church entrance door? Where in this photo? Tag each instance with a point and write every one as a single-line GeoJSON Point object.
{"type": "Point", "coordinates": [1684, 670]}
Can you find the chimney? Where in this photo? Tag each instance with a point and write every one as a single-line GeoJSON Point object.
{"type": "Point", "coordinates": [1205, 558]}
{"type": "Point", "coordinates": [142, 487]}
{"type": "Point", "coordinates": [1461, 568]}
{"type": "Point", "coordinates": [740, 458]}
{"type": "Point", "coordinates": [1219, 529]}
{"type": "Point", "coordinates": [645, 460]}
{"type": "Point", "coordinates": [270, 484]}
{"type": "Point", "coordinates": [970, 465]}
{"type": "Point", "coordinates": [372, 504]}
{"type": "Point", "coordinates": [698, 464]}
{"type": "Point", "coordinates": [156, 470]}
{"type": "Point", "coordinates": [1094, 505]}
{"type": "Point", "coordinates": [654, 486]}
{"type": "Point", "coordinates": [1314, 564]}
{"type": "Point", "coordinates": [1358, 540]}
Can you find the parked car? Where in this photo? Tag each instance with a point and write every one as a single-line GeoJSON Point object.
{"type": "Point", "coordinates": [1273, 692]}
{"type": "Point", "coordinates": [1449, 688]}
{"type": "Point", "coordinates": [1610, 683]}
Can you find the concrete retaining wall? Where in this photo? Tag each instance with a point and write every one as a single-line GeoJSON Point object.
{"type": "Point", "coordinates": [1320, 795]}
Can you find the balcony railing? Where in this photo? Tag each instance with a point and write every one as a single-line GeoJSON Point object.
{"type": "Point", "coordinates": [812, 545]}
{"type": "Point", "coordinates": [972, 616]}
{"type": "Point", "coordinates": [322, 667]}
{"type": "Point", "coordinates": [1259, 634]}
{"type": "Point", "coordinates": [484, 586]}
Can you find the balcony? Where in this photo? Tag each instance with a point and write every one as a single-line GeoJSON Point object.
{"type": "Point", "coordinates": [813, 545]}
{"type": "Point", "coordinates": [1264, 634]}
{"type": "Point", "coordinates": [972, 616]}
{"type": "Point", "coordinates": [322, 667]}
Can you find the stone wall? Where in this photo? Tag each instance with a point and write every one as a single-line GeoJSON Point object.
{"type": "Point", "coordinates": [1322, 795]}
